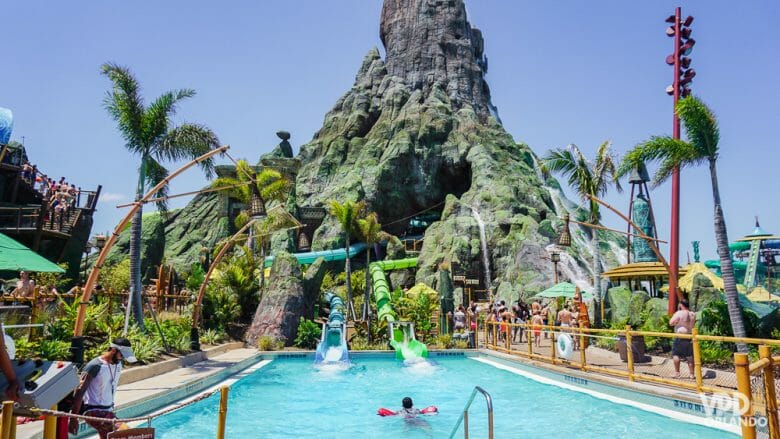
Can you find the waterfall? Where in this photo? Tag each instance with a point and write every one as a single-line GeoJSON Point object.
{"type": "Point", "coordinates": [483, 246]}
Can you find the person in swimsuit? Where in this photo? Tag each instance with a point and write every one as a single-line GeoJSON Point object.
{"type": "Point", "coordinates": [683, 321]}
{"type": "Point", "coordinates": [536, 323]}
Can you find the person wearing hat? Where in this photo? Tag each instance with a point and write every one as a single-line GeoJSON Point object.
{"type": "Point", "coordinates": [94, 395]}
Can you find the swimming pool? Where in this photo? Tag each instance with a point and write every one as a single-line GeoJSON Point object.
{"type": "Point", "coordinates": [290, 398]}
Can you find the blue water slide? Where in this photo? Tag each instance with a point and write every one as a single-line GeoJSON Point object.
{"type": "Point", "coordinates": [332, 348]}
{"type": "Point", "coordinates": [330, 255]}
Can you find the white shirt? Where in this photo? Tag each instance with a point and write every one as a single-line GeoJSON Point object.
{"type": "Point", "coordinates": [105, 379]}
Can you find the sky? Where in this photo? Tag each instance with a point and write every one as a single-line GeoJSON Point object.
{"type": "Point", "coordinates": [560, 72]}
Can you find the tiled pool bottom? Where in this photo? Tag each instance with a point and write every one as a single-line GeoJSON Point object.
{"type": "Point", "coordinates": [291, 398]}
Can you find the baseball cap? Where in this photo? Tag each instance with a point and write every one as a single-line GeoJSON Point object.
{"type": "Point", "coordinates": [123, 345]}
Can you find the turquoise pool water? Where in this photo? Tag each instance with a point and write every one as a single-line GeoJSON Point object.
{"type": "Point", "coordinates": [290, 398]}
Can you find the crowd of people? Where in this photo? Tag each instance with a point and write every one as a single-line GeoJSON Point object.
{"type": "Point", "coordinates": [535, 316]}
{"type": "Point", "coordinates": [61, 196]}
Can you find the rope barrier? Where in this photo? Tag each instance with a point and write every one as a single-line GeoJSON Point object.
{"type": "Point", "coordinates": [147, 418]}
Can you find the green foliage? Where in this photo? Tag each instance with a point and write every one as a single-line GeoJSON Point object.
{"type": "Point", "coordinates": [195, 277]}
{"type": "Point", "coordinates": [212, 337]}
{"type": "Point", "coordinates": [239, 276]}
{"type": "Point", "coordinates": [54, 349]}
{"type": "Point", "coordinates": [57, 280]}
{"type": "Point", "coordinates": [309, 333]}
{"type": "Point", "coordinates": [443, 341]}
{"type": "Point", "coordinates": [716, 353]}
{"type": "Point", "coordinates": [220, 307]}
{"type": "Point", "coordinates": [417, 310]}
{"type": "Point", "coordinates": [651, 325]}
{"type": "Point", "coordinates": [461, 344]}
{"type": "Point", "coordinates": [26, 348]}
{"type": "Point", "coordinates": [266, 343]}
{"type": "Point", "coordinates": [715, 320]}
{"type": "Point", "coordinates": [362, 344]}
{"type": "Point", "coordinates": [116, 278]}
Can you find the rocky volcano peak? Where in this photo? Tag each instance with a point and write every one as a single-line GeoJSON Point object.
{"type": "Point", "coordinates": [430, 41]}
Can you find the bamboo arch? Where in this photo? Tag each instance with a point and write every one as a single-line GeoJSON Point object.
{"type": "Point", "coordinates": [76, 344]}
{"type": "Point", "coordinates": [194, 338]}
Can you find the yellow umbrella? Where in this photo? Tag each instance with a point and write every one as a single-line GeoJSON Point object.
{"type": "Point", "coordinates": [761, 294]}
{"type": "Point", "coordinates": [685, 283]}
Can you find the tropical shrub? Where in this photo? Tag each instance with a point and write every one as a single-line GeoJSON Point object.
{"type": "Point", "coordinates": [212, 337]}
{"type": "Point", "coordinates": [309, 334]}
{"type": "Point", "coordinates": [115, 278]}
{"type": "Point", "coordinates": [54, 350]}
{"type": "Point", "coordinates": [266, 343]}
{"type": "Point", "coordinates": [220, 307]}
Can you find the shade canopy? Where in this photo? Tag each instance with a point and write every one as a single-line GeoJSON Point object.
{"type": "Point", "coordinates": [685, 283]}
{"type": "Point", "coordinates": [563, 289]}
{"type": "Point", "coordinates": [761, 294]}
{"type": "Point", "coordinates": [16, 257]}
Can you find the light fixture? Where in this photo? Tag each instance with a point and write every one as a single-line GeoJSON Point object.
{"type": "Point", "coordinates": [690, 73]}
{"type": "Point", "coordinates": [670, 19]}
{"type": "Point", "coordinates": [684, 32]}
{"type": "Point", "coordinates": [688, 21]}
{"type": "Point", "coordinates": [555, 257]}
{"type": "Point", "coordinates": [687, 48]}
{"type": "Point", "coordinates": [100, 241]}
{"type": "Point", "coordinates": [670, 60]}
{"type": "Point", "coordinates": [670, 90]}
{"type": "Point", "coordinates": [564, 239]}
{"type": "Point", "coordinates": [685, 62]}
{"type": "Point", "coordinates": [670, 31]}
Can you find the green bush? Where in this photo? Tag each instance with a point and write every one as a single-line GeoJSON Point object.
{"type": "Point", "coordinates": [443, 341]}
{"type": "Point", "coordinates": [309, 334]}
{"type": "Point", "coordinates": [54, 350]}
{"type": "Point", "coordinates": [362, 344]}
{"type": "Point", "coordinates": [220, 307]}
{"type": "Point", "coordinates": [461, 344]}
{"type": "Point", "coordinates": [25, 348]}
{"type": "Point", "coordinates": [266, 343]}
{"type": "Point", "coordinates": [212, 337]}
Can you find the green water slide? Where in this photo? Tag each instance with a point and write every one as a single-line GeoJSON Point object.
{"type": "Point", "coordinates": [752, 264]}
{"type": "Point", "coordinates": [402, 333]}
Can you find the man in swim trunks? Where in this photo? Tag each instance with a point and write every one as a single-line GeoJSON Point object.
{"type": "Point", "coordinates": [536, 323]}
{"type": "Point", "coordinates": [564, 317]}
{"type": "Point", "coordinates": [683, 321]}
{"type": "Point", "coordinates": [95, 394]}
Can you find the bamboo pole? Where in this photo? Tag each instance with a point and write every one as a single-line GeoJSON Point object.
{"type": "Point", "coordinates": [629, 353]}
{"type": "Point", "coordinates": [697, 359]}
{"type": "Point", "coordinates": [93, 275]}
{"type": "Point", "coordinates": [742, 365]}
{"type": "Point", "coordinates": [7, 420]}
{"type": "Point", "coordinates": [223, 407]}
{"type": "Point", "coordinates": [770, 395]}
{"type": "Point", "coordinates": [50, 425]}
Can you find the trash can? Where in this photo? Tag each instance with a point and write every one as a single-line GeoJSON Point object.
{"type": "Point", "coordinates": [637, 348]}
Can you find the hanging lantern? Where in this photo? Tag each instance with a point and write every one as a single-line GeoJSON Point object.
{"type": "Point", "coordinates": [564, 239]}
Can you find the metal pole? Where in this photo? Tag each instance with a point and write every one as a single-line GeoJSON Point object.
{"type": "Point", "coordinates": [674, 240]}
{"type": "Point", "coordinates": [629, 353]}
{"type": "Point", "coordinates": [223, 403]}
{"type": "Point", "coordinates": [742, 365]}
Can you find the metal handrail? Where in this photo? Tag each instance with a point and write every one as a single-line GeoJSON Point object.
{"type": "Point", "coordinates": [464, 417]}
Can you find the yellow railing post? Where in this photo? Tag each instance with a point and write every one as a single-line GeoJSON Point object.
{"type": "Point", "coordinates": [770, 397]}
{"type": "Point", "coordinates": [629, 353]}
{"type": "Point", "coordinates": [529, 335]}
{"type": "Point", "coordinates": [476, 333]}
{"type": "Point", "coordinates": [7, 420]}
{"type": "Point", "coordinates": [507, 333]}
{"type": "Point", "coordinates": [50, 425]}
{"type": "Point", "coordinates": [742, 365]}
{"type": "Point", "coordinates": [552, 344]}
{"type": "Point", "coordinates": [697, 358]}
{"type": "Point", "coordinates": [582, 350]}
{"type": "Point", "coordinates": [495, 334]}
{"type": "Point", "coordinates": [223, 405]}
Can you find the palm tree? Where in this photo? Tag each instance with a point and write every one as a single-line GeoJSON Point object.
{"type": "Point", "coordinates": [588, 179]}
{"type": "Point", "coordinates": [347, 215]}
{"type": "Point", "coordinates": [148, 131]}
{"type": "Point", "coordinates": [371, 232]}
{"type": "Point", "coordinates": [255, 190]}
{"type": "Point", "coordinates": [703, 135]}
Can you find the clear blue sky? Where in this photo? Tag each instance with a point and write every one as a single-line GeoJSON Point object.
{"type": "Point", "coordinates": [560, 72]}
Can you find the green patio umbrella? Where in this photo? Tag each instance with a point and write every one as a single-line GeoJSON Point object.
{"type": "Point", "coordinates": [563, 289]}
{"type": "Point", "coordinates": [16, 257]}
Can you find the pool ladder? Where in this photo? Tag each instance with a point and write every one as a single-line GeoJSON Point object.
{"type": "Point", "coordinates": [464, 417]}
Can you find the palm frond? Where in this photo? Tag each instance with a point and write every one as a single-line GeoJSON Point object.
{"type": "Point", "coordinates": [154, 174]}
{"type": "Point", "coordinates": [245, 171]}
{"type": "Point", "coordinates": [187, 141]}
{"type": "Point", "coordinates": [241, 219]}
{"type": "Point", "coordinates": [233, 188]}
{"type": "Point", "coordinates": [670, 152]}
{"type": "Point", "coordinates": [276, 191]}
{"type": "Point", "coordinates": [571, 163]}
{"type": "Point", "coordinates": [157, 117]}
{"type": "Point", "coordinates": [701, 126]}
{"type": "Point", "coordinates": [347, 214]}
{"type": "Point", "coordinates": [604, 170]}
{"type": "Point", "coordinates": [125, 105]}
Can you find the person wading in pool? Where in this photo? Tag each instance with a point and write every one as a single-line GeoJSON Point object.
{"type": "Point", "coordinates": [683, 321]}
{"type": "Point", "coordinates": [95, 394]}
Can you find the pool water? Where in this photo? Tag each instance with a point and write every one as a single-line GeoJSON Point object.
{"type": "Point", "coordinates": [291, 398]}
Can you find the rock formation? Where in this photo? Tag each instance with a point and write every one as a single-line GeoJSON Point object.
{"type": "Point", "coordinates": [418, 131]}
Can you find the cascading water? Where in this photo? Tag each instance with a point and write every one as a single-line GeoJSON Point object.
{"type": "Point", "coordinates": [483, 246]}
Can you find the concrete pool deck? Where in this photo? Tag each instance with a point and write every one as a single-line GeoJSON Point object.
{"type": "Point", "coordinates": [131, 396]}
